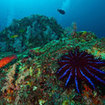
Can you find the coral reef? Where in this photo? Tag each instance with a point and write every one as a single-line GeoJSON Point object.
{"type": "Point", "coordinates": [31, 79]}
{"type": "Point", "coordinates": [29, 32]}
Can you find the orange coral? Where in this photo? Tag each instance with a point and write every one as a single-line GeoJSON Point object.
{"type": "Point", "coordinates": [90, 97]}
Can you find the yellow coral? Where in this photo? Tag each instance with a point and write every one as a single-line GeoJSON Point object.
{"type": "Point", "coordinates": [39, 72]}
{"type": "Point", "coordinates": [41, 102]}
{"type": "Point", "coordinates": [65, 102]}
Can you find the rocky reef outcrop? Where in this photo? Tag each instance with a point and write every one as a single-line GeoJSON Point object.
{"type": "Point", "coordinates": [29, 77]}
{"type": "Point", "coordinates": [32, 79]}
{"type": "Point", "coordinates": [29, 32]}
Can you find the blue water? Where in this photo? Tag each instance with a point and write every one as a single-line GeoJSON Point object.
{"type": "Point", "coordinates": [88, 14]}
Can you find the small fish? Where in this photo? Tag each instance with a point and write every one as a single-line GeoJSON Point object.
{"type": "Point", "coordinates": [4, 61]}
{"type": "Point", "coordinates": [14, 36]}
{"type": "Point", "coordinates": [61, 11]}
